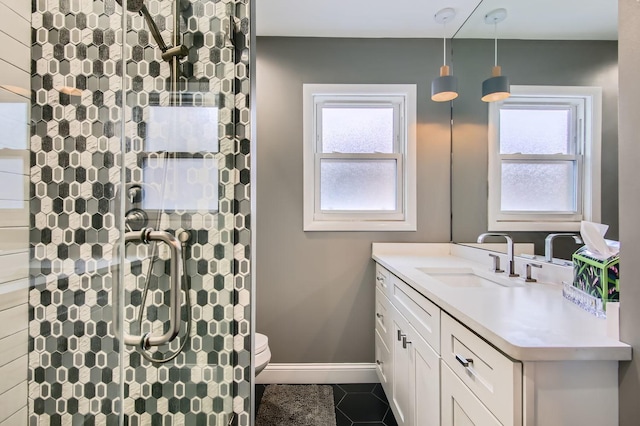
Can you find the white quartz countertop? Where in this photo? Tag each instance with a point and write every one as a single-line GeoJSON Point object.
{"type": "Point", "coordinates": [533, 322]}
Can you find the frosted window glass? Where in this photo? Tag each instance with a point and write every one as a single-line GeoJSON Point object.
{"type": "Point", "coordinates": [191, 184]}
{"type": "Point", "coordinates": [182, 129]}
{"type": "Point", "coordinates": [14, 125]}
{"type": "Point", "coordinates": [357, 130]}
{"type": "Point", "coordinates": [358, 185]}
{"type": "Point", "coordinates": [535, 131]}
{"type": "Point", "coordinates": [538, 186]}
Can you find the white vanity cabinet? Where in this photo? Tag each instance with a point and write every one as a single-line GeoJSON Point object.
{"type": "Point", "coordinates": [429, 364]}
{"type": "Point", "coordinates": [409, 367]}
{"type": "Point", "coordinates": [437, 370]}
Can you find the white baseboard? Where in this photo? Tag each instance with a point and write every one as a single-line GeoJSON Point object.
{"type": "Point", "coordinates": [318, 373]}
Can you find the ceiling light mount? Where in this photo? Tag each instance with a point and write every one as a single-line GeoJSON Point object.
{"type": "Point", "coordinates": [445, 15]}
{"type": "Point", "coordinates": [495, 16]}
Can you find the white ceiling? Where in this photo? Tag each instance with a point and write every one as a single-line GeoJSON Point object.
{"type": "Point", "coordinates": [527, 19]}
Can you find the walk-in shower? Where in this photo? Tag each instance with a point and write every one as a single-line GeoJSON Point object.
{"type": "Point", "coordinates": [124, 213]}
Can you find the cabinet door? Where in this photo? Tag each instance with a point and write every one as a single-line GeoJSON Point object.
{"type": "Point", "coordinates": [425, 365]}
{"type": "Point", "coordinates": [383, 364]}
{"type": "Point", "coordinates": [416, 377]}
{"type": "Point", "coordinates": [460, 407]}
{"type": "Point", "coordinates": [402, 380]}
{"type": "Point", "coordinates": [383, 317]}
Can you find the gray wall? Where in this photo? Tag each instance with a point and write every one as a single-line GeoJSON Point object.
{"type": "Point", "coordinates": [629, 34]}
{"type": "Point", "coordinates": [315, 293]}
{"type": "Point", "coordinates": [571, 63]}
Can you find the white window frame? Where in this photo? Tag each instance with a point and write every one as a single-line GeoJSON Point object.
{"type": "Point", "coordinates": [18, 217]}
{"type": "Point", "coordinates": [403, 98]}
{"type": "Point", "coordinates": [588, 101]}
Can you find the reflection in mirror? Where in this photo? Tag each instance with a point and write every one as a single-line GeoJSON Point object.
{"type": "Point", "coordinates": [14, 167]}
{"type": "Point", "coordinates": [571, 47]}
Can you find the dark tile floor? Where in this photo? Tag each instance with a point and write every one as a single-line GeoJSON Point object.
{"type": "Point", "coordinates": [356, 405]}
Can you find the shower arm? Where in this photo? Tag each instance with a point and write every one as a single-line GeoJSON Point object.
{"type": "Point", "coordinates": [153, 28]}
{"type": "Point", "coordinates": [168, 53]}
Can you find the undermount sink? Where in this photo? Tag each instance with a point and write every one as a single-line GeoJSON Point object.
{"type": "Point", "coordinates": [467, 277]}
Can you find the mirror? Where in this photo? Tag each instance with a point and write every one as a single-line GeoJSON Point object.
{"type": "Point", "coordinates": [547, 43]}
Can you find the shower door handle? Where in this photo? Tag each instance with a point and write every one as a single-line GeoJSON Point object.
{"type": "Point", "coordinates": [146, 236]}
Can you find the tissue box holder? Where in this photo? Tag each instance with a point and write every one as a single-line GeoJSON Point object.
{"type": "Point", "coordinates": [597, 277]}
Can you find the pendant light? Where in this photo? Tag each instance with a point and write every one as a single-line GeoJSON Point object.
{"type": "Point", "coordinates": [445, 87]}
{"type": "Point", "coordinates": [495, 88]}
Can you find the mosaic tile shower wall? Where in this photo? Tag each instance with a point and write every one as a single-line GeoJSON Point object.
{"type": "Point", "coordinates": [75, 174]}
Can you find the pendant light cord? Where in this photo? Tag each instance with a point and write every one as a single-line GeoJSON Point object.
{"type": "Point", "coordinates": [495, 43]}
{"type": "Point", "coordinates": [444, 43]}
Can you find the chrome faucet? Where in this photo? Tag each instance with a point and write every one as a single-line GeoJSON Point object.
{"type": "Point", "coordinates": [548, 244]}
{"type": "Point", "coordinates": [482, 237]}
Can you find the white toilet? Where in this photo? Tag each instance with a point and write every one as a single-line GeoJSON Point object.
{"type": "Point", "coordinates": [262, 352]}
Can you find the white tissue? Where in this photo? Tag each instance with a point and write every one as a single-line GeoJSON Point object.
{"type": "Point", "coordinates": [593, 237]}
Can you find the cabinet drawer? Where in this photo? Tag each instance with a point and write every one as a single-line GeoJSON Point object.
{"type": "Point", "coordinates": [383, 317]}
{"type": "Point", "coordinates": [423, 315]}
{"type": "Point", "coordinates": [492, 377]}
{"type": "Point", "coordinates": [382, 279]}
{"type": "Point", "coordinates": [460, 407]}
{"type": "Point", "coordinates": [384, 365]}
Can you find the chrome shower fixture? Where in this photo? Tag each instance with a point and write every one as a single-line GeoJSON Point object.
{"type": "Point", "coordinates": [168, 52]}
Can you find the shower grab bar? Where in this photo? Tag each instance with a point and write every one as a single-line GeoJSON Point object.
{"type": "Point", "coordinates": [146, 340]}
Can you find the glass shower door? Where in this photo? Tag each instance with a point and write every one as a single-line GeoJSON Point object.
{"type": "Point", "coordinates": [74, 371]}
{"type": "Point", "coordinates": [178, 201]}
{"type": "Point", "coordinates": [135, 296]}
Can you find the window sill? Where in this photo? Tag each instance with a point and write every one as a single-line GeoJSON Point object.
{"type": "Point", "coordinates": [358, 226]}
{"type": "Point", "coordinates": [534, 226]}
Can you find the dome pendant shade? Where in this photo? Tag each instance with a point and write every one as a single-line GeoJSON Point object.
{"type": "Point", "coordinates": [496, 88]}
{"type": "Point", "coordinates": [445, 87]}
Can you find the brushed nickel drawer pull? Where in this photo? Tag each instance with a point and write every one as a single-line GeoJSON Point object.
{"type": "Point", "coordinates": [405, 342]}
{"type": "Point", "coordinates": [464, 361]}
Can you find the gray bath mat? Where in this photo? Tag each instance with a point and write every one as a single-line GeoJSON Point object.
{"type": "Point", "coordinates": [297, 405]}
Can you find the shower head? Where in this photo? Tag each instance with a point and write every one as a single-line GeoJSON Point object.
{"type": "Point", "coordinates": [137, 6]}
{"type": "Point", "coordinates": [133, 5]}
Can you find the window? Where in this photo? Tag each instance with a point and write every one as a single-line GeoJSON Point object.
{"type": "Point", "coordinates": [359, 157]}
{"type": "Point", "coordinates": [14, 161]}
{"type": "Point", "coordinates": [544, 159]}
